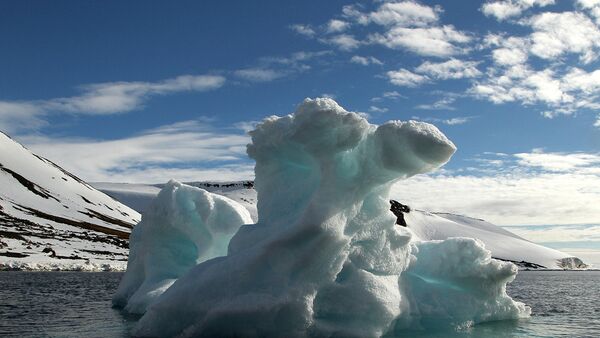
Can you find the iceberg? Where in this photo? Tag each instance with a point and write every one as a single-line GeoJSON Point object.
{"type": "Point", "coordinates": [326, 257]}
{"type": "Point", "coordinates": [185, 226]}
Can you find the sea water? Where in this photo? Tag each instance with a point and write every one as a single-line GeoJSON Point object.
{"type": "Point", "coordinates": [78, 304]}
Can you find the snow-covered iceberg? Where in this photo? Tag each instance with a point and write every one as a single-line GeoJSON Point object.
{"type": "Point", "coordinates": [326, 257]}
{"type": "Point", "coordinates": [185, 226]}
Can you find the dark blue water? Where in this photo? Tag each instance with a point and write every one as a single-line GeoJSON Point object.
{"type": "Point", "coordinates": [77, 304]}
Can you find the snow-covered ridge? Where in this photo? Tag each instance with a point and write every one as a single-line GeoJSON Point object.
{"type": "Point", "coordinates": [503, 244]}
{"type": "Point", "coordinates": [50, 219]}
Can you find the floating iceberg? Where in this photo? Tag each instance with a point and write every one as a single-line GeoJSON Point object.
{"type": "Point", "coordinates": [185, 226]}
{"type": "Point", "coordinates": [326, 258]}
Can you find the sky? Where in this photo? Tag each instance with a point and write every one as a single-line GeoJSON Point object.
{"type": "Point", "coordinates": [145, 91]}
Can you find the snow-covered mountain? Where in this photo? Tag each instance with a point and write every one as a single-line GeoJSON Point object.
{"type": "Point", "coordinates": [503, 244]}
{"type": "Point", "coordinates": [49, 218]}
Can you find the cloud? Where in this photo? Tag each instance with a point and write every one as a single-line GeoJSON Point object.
{"type": "Point", "coordinates": [376, 109]}
{"type": "Point", "coordinates": [406, 78]}
{"type": "Point", "coordinates": [535, 69]}
{"type": "Point", "coordinates": [259, 74]}
{"type": "Point", "coordinates": [506, 199]}
{"type": "Point", "coordinates": [560, 233]}
{"type": "Point", "coordinates": [337, 26]}
{"type": "Point", "coordinates": [101, 99]}
{"type": "Point", "coordinates": [441, 104]}
{"type": "Point", "coordinates": [305, 30]}
{"type": "Point", "coordinates": [391, 95]}
{"type": "Point", "coordinates": [295, 59]}
{"type": "Point", "coordinates": [568, 32]}
{"type": "Point", "coordinates": [513, 189]}
{"type": "Point", "coordinates": [563, 93]}
{"type": "Point", "coordinates": [505, 9]}
{"type": "Point", "coordinates": [365, 60]}
{"type": "Point", "coordinates": [579, 240]}
{"type": "Point", "coordinates": [512, 50]}
{"type": "Point", "coordinates": [187, 150]}
{"type": "Point", "coordinates": [458, 120]}
{"type": "Point", "coordinates": [275, 67]}
{"type": "Point", "coordinates": [404, 25]}
{"type": "Point", "coordinates": [16, 116]}
{"type": "Point", "coordinates": [451, 69]}
{"type": "Point", "coordinates": [118, 97]}
{"type": "Point", "coordinates": [523, 85]}
{"type": "Point", "coordinates": [451, 121]}
{"type": "Point", "coordinates": [344, 42]}
{"type": "Point", "coordinates": [561, 162]}
{"type": "Point", "coordinates": [439, 41]}
{"type": "Point", "coordinates": [593, 6]}
{"type": "Point", "coordinates": [580, 80]}
{"type": "Point", "coordinates": [404, 13]}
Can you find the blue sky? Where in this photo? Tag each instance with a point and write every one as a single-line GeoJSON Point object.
{"type": "Point", "coordinates": [143, 91]}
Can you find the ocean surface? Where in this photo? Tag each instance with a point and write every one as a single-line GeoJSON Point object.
{"type": "Point", "coordinates": [77, 304]}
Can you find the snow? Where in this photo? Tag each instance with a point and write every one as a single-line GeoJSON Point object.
{"type": "Point", "coordinates": [502, 243]}
{"type": "Point", "coordinates": [325, 257]}
{"type": "Point", "coordinates": [185, 226]}
{"type": "Point", "coordinates": [45, 208]}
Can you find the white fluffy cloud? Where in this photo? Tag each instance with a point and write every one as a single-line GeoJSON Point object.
{"type": "Point", "coordinates": [509, 50]}
{"type": "Point", "coordinates": [439, 41]}
{"type": "Point", "coordinates": [344, 42]}
{"type": "Point", "coordinates": [593, 6]}
{"type": "Point", "coordinates": [505, 9]}
{"type": "Point", "coordinates": [451, 69]}
{"type": "Point", "coordinates": [405, 14]}
{"type": "Point", "coordinates": [406, 78]}
{"type": "Point", "coordinates": [406, 25]}
{"type": "Point", "coordinates": [336, 26]}
{"type": "Point", "coordinates": [569, 32]}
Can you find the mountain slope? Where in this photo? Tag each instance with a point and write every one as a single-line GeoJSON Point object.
{"type": "Point", "coordinates": [49, 217]}
{"type": "Point", "coordinates": [503, 244]}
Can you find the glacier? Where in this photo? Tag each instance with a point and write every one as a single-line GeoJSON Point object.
{"type": "Point", "coordinates": [185, 226]}
{"type": "Point", "coordinates": [325, 257]}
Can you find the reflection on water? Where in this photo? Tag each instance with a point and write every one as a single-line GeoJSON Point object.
{"type": "Point", "coordinates": [77, 304]}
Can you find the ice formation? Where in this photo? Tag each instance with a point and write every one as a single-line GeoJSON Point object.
{"type": "Point", "coordinates": [326, 258]}
{"type": "Point", "coordinates": [456, 282]}
{"type": "Point", "coordinates": [185, 226]}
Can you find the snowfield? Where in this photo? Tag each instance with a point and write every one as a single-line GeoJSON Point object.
{"type": "Point", "coordinates": [51, 220]}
